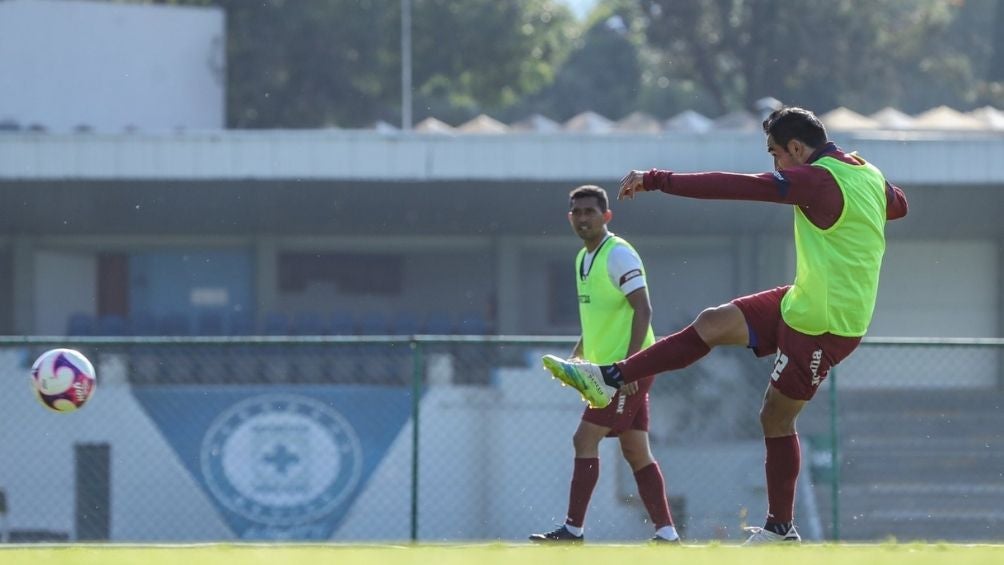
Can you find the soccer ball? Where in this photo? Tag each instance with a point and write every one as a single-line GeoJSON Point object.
{"type": "Point", "coordinates": [63, 379]}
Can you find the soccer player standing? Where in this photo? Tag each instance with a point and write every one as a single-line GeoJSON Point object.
{"type": "Point", "coordinates": [841, 204]}
{"type": "Point", "coordinates": [615, 314]}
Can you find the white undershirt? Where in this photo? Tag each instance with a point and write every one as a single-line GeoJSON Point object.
{"type": "Point", "coordinates": [621, 260]}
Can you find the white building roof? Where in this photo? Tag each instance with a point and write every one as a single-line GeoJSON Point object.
{"type": "Point", "coordinates": [945, 118]}
{"type": "Point", "coordinates": [990, 117]}
{"type": "Point", "coordinates": [589, 122]}
{"type": "Point", "coordinates": [892, 118]}
{"type": "Point", "coordinates": [738, 121]}
{"type": "Point", "coordinates": [483, 124]}
{"type": "Point", "coordinates": [368, 155]}
{"type": "Point", "coordinates": [689, 121]}
{"type": "Point", "coordinates": [638, 122]}
{"type": "Point", "coordinates": [845, 119]}
{"type": "Point", "coordinates": [432, 125]}
{"type": "Point", "coordinates": [536, 122]}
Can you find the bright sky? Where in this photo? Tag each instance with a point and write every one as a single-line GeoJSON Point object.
{"type": "Point", "coordinates": [580, 7]}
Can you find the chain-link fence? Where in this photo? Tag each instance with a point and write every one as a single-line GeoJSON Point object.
{"type": "Point", "coordinates": [465, 438]}
{"type": "Point", "coordinates": [919, 425]}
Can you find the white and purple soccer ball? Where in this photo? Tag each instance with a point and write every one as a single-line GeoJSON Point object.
{"type": "Point", "coordinates": [63, 379]}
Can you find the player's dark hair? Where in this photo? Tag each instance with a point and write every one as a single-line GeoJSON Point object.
{"type": "Point", "coordinates": [587, 190]}
{"type": "Point", "coordinates": [791, 122]}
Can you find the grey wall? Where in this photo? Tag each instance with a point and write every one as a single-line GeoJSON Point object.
{"type": "Point", "coordinates": [490, 245]}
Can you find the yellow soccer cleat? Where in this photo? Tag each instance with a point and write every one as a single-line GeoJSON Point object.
{"type": "Point", "coordinates": [583, 377]}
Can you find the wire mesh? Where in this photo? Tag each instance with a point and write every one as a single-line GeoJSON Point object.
{"type": "Point", "coordinates": [467, 438]}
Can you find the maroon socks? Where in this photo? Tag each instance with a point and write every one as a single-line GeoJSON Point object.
{"type": "Point", "coordinates": [669, 353]}
{"type": "Point", "coordinates": [783, 461]}
{"type": "Point", "coordinates": [584, 477]}
{"type": "Point", "coordinates": [652, 489]}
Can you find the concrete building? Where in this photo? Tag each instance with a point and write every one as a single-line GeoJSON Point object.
{"type": "Point", "coordinates": [379, 226]}
{"type": "Point", "coordinates": [110, 67]}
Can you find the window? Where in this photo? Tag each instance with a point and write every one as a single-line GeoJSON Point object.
{"type": "Point", "coordinates": [562, 299]}
{"type": "Point", "coordinates": [353, 273]}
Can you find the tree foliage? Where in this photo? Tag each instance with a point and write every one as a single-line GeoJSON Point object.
{"type": "Point", "coordinates": [820, 53]}
{"type": "Point", "coordinates": [484, 55]}
{"type": "Point", "coordinates": [315, 63]}
{"type": "Point", "coordinates": [601, 74]}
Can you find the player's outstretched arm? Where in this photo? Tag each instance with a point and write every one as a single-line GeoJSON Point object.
{"type": "Point", "coordinates": [896, 206]}
{"type": "Point", "coordinates": [632, 183]}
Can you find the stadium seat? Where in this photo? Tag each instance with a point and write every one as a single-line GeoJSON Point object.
{"type": "Point", "coordinates": [142, 323]}
{"type": "Point", "coordinates": [472, 323]}
{"type": "Point", "coordinates": [275, 323]}
{"type": "Point", "coordinates": [80, 323]}
{"type": "Point", "coordinates": [405, 323]}
{"type": "Point", "coordinates": [241, 323]}
{"type": "Point", "coordinates": [342, 323]}
{"type": "Point", "coordinates": [309, 323]}
{"type": "Point", "coordinates": [439, 323]}
{"type": "Point", "coordinates": [210, 322]}
{"type": "Point", "coordinates": [373, 323]}
{"type": "Point", "coordinates": [174, 323]}
{"type": "Point", "coordinates": [111, 325]}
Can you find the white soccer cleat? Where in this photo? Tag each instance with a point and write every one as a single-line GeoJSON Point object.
{"type": "Point", "coordinates": [760, 536]}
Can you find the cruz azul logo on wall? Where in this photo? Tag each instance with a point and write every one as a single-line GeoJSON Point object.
{"type": "Point", "coordinates": [281, 460]}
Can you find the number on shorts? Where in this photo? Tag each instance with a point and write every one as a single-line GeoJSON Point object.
{"type": "Point", "coordinates": [779, 364]}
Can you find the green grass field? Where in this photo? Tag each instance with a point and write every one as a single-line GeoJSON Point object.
{"type": "Point", "coordinates": [499, 554]}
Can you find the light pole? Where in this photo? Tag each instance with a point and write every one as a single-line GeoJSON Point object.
{"type": "Point", "coordinates": [405, 64]}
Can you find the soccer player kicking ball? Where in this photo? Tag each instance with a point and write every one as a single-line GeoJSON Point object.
{"type": "Point", "coordinates": [616, 315]}
{"type": "Point", "coordinates": [841, 204]}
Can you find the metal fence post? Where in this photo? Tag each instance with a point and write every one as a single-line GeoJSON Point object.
{"type": "Point", "coordinates": [834, 458]}
{"type": "Point", "coordinates": [416, 392]}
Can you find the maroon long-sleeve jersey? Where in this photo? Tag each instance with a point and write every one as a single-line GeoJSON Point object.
{"type": "Point", "coordinates": [813, 189]}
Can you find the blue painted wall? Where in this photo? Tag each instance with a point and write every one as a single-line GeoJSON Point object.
{"type": "Point", "coordinates": [163, 283]}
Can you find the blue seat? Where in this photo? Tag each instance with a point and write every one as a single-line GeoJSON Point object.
{"type": "Point", "coordinates": [80, 323]}
{"type": "Point", "coordinates": [342, 323]}
{"type": "Point", "coordinates": [210, 322]}
{"type": "Point", "coordinates": [111, 325]}
{"type": "Point", "coordinates": [309, 323]}
{"type": "Point", "coordinates": [439, 323]}
{"type": "Point", "coordinates": [405, 323]}
{"type": "Point", "coordinates": [174, 323]}
{"type": "Point", "coordinates": [241, 323]}
{"type": "Point", "coordinates": [373, 323]}
{"type": "Point", "coordinates": [472, 323]}
{"type": "Point", "coordinates": [275, 323]}
{"type": "Point", "coordinates": [142, 323]}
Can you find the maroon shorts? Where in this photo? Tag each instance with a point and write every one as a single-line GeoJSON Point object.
{"type": "Point", "coordinates": [624, 412]}
{"type": "Point", "coordinates": [803, 360]}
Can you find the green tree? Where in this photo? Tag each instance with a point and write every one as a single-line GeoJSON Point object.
{"type": "Point", "coordinates": [309, 63]}
{"type": "Point", "coordinates": [818, 53]}
{"type": "Point", "coordinates": [315, 63]}
{"type": "Point", "coordinates": [485, 55]}
{"type": "Point", "coordinates": [602, 73]}
{"type": "Point", "coordinates": [995, 72]}
{"type": "Point", "coordinates": [979, 32]}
